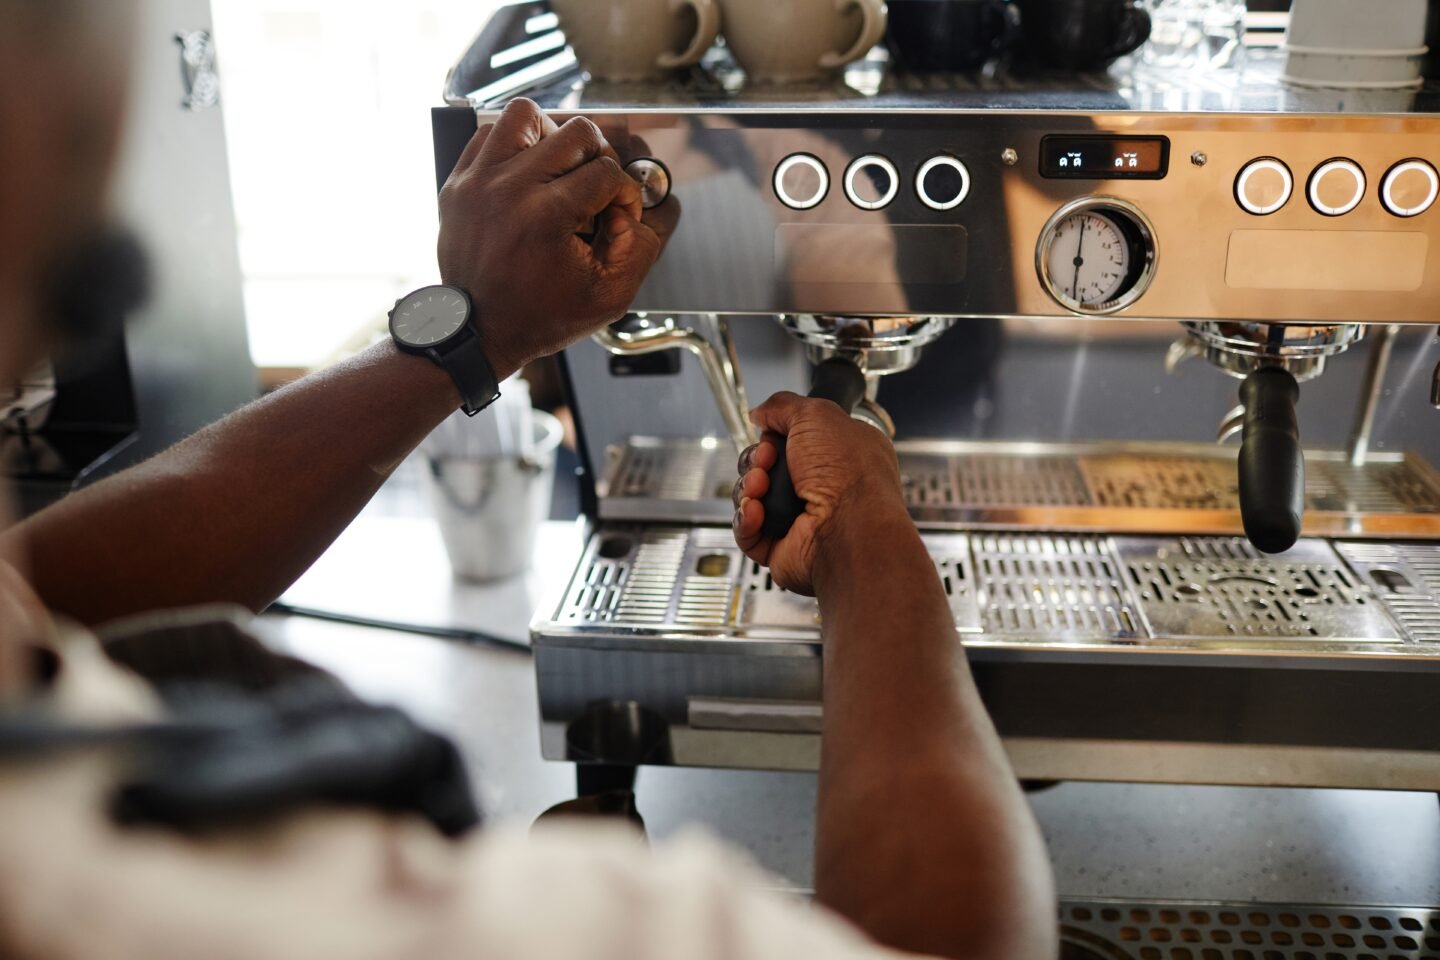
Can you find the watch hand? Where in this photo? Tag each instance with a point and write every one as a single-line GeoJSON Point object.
{"type": "Point", "coordinates": [1079, 262]}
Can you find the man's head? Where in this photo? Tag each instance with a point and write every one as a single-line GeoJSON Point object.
{"type": "Point", "coordinates": [63, 83]}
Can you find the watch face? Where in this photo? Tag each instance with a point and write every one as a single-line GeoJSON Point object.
{"type": "Point", "coordinates": [430, 316]}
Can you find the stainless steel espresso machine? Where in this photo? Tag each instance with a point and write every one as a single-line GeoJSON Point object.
{"type": "Point", "coordinates": [1055, 289]}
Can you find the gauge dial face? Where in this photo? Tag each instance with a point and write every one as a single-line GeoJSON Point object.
{"type": "Point", "coordinates": [429, 317]}
{"type": "Point", "coordinates": [1089, 260]}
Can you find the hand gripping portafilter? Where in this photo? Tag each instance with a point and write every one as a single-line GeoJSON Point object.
{"type": "Point", "coordinates": [851, 355]}
{"type": "Point", "coordinates": [1272, 359]}
{"type": "Point", "coordinates": [839, 381]}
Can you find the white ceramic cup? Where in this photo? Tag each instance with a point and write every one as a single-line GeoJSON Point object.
{"type": "Point", "coordinates": [628, 40]}
{"type": "Point", "coordinates": [789, 41]}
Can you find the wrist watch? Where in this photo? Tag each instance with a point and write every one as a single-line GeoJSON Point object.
{"type": "Point", "coordinates": [434, 322]}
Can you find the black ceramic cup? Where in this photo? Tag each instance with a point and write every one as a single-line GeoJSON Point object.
{"type": "Point", "coordinates": [950, 35]}
{"type": "Point", "coordinates": [1082, 34]}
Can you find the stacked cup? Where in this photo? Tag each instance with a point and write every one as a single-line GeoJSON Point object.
{"type": "Point", "coordinates": [775, 41]}
{"type": "Point", "coordinates": [1356, 45]}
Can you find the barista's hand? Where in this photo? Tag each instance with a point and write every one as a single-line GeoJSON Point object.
{"type": "Point", "coordinates": [511, 216]}
{"type": "Point", "coordinates": [844, 470]}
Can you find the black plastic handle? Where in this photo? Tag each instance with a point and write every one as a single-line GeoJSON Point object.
{"type": "Point", "coordinates": [1272, 464]}
{"type": "Point", "coordinates": [839, 381]}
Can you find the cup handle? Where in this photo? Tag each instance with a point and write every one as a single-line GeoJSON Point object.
{"type": "Point", "coordinates": [1003, 17]}
{"type": "Point", "coordinates": [872, 31]}
{"type": "Point", "coordinates": [1134, 30]}
{"type": "Point", "coordinates": [707, 14]}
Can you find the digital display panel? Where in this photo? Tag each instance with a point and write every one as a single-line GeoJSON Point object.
{"type": "Point", "coordinates": [1104, 158]}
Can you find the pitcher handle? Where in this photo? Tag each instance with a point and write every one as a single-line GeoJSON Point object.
{"type": "Point", "coordinates": [707, 16]}
{"type": "Point", "coordinates": [872, 31]}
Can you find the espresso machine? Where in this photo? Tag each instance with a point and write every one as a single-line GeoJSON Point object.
{"type": "Point", "coordinates": [1157, 359]}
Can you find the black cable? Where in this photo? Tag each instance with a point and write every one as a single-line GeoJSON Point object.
{"type": "Point", "coordinates": [441, 633]}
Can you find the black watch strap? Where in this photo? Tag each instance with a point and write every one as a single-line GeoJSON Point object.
{"type": "Point", "coordinates": [470, 369]}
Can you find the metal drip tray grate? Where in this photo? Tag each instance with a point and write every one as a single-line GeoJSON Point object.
{"type": "Point", "coordinates": [1105, 930]}
{"type": "Point", "coordinates": [1032, 588]}
{"type": "Point", "coordinates": [1223, 588]}
{"type": "Point", "coordinates": [1373, 488]}
{"type": "Point", "coordinates": [1090, 488]}
{"type": "Point", "coordinates": [1061, 588]}
{"type": "Point", "coordinates": [1406, 578]}
{"type": "Point", "coordinates": [763, 604]}
{"type": "Point", "coordinates": [663, 471]}
{"type": "Point", "coordinates": [1004, 481]}
{"type": "Point", "coordinates": [928, 482]}
{"type": "Point", "coordinates": [1163, 483]}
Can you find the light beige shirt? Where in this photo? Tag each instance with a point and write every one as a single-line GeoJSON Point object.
{"type": "Point", "coordinates": [342, 885]}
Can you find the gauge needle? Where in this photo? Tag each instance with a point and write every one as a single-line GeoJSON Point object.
{"type": "Point", "coordinates": [1079, 262]}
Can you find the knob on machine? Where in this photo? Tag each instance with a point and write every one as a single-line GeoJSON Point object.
{"type": "Point", "coordinates": [1264, 186]}
{"type": "Point", "coordinates": [654, 179]}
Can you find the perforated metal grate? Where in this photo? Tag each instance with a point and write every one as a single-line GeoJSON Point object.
{"type": "Point", "coordinates": [1056, 587]}
{"type": "Point", "coordinates": [668, 472]}
{"type": "Point", "coordinates": [1373, 488]}
{"type": "Point", "coordinates": [991, 480]}
{"type": "Point", "coordinates": [928, 482]}
{"type": "Point", "coordinates": [1102, 930]}
{"type": "Point", "coordinates": [707, 595]}
{"type": "Point", "coordinates": [1406, 578]}
{"type": "Point", "coordinates": [763, 603]}
{"type": "Point", "coordinates": [941, 484]}
{"type": "Point", "coordinates": [1163, 483]}
{"type": "Point", "coordinates": [1021, 587]}
{"type": "Point", "coordinates": [1224, 588]}
{"type": "Point", "coordinates": [599, 582]}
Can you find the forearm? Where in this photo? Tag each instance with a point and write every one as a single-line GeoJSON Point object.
{"type": "Point", "coordinates": [237, 512]}
{"type": "Point", "coordinates": [924, 838]}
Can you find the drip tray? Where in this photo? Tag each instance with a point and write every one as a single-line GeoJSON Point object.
{"type": "Point", "coordinates": [1093, 488]}
{"type": "Point", "coordinates": [1049, 589]}
{"type": "Point", "coordinates": [1224, 588]}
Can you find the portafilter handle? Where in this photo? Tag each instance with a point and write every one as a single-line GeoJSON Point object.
{"type": "Point", "coordinates": [839, 381]}
{"type": "Point", "coordinates": [1272, 464]}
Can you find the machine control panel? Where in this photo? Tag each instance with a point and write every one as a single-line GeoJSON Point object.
{"type": "Point", "coordinates": [1337, 187]}
{"type": "Point", "coordinates": [963, 215]}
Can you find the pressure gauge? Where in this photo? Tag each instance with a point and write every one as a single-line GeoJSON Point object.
{"type": "Point", "coordinates": [1097, 255]}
